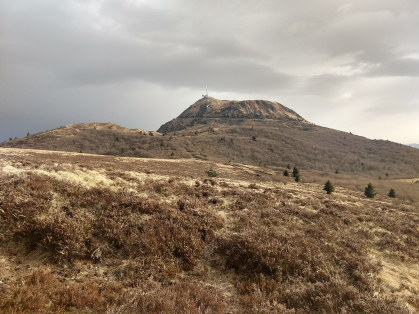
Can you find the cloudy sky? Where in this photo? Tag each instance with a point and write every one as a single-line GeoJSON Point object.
{"type": "Point", "coordinates": [348, 65]}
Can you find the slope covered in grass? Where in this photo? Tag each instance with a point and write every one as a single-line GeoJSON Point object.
{"type": "Point", "coordinates": [259, 133]}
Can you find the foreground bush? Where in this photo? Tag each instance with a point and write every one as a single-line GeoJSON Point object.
{"type": "Point", "coordinates": [210, 246]}
{"type": "Point", "coordinates": [42, 292]}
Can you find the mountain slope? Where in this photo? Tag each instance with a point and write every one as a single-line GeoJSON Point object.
{"type": "Point", "coordinates": [210, 108]}
{"type": "Point", "coordinates": [221, 133]}
{"type": "Point", "coordinates": [94, 138]}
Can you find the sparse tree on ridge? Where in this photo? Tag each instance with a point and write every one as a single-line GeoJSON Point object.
{"type": "Point", "coordinates": [392, 193]}
{"type": "Point", "coordinates": [328, 187]}
{"type": "Point", "coordinates": [297, 178]}
{"type": "Point", "coordinates": [295, 172]}
{"type": "Point", "coordinates": [286, 173]}
{"type": "Point", "coordinates": [369, 191]}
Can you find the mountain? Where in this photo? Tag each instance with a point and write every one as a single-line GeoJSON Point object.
{"type": "Point", "coordinates": [210, 108]}
{"type": "Point", "coordinates": [253, 132]}
{"type": "Point", "coordinates": [414, 145]}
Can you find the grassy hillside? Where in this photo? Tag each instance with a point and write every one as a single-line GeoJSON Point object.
{"type": "Point", "coordinates": [99, 234]}
{"type": "Point", "coordinates": [274, 143]}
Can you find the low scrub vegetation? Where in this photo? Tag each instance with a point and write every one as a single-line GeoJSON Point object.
{"type": "Point", "coordinates": [162, 243]}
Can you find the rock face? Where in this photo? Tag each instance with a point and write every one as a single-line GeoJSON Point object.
{"type": "Point", "coordinates": [210, 108]}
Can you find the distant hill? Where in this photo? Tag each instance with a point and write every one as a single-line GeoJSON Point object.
{"type": "Point", "coordinates": [253, 132]}
{"type": "Point", "coordinates": [414, 145]}
{"type": "Point", "coordinates": [94, 138]}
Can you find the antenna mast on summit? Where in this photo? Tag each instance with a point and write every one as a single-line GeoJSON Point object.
{"type": "Point", "coordinates": [206, 93]}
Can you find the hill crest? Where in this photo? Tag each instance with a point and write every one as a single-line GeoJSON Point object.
{"type": "Point", "coordinates": [211, 108]}
{"type": "Point", "coordinates": [259, 109]}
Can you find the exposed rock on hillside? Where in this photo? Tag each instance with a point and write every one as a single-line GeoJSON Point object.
{"type": "Point", "coordinates": [210, 108]}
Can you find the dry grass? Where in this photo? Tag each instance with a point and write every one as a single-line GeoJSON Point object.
{"type": "Point", "coordinates": [278, 143]}
{"type": "Point", "coordinates": [162, 237]}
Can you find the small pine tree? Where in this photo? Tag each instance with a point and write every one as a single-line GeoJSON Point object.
{"type": "Point", "coordinates": [288, 166]}
{"type": "Point", "coordinates": [28, 134]}
{"type": "Point", "coordinates": [297, 178]}
{"type": "Point", "coordinates": [369, 191]}
{"type": "Point", "coordinates": [254, 138]}
{"type": "Point", "coordinates": [211, 173]}
{"type": "Point", "coordinates": [392, 193]}
{"type": "Point", "coordinates": [337, 172]}
{"type": "Point", "coordinates": [117, 139]}
{"type": "Point", "coordinates": [328, 187]}
{"type": "Point", "coordinates": [172, 154]}
{"type": "Point", "coordinates": [286, 173]}
{"type": "Point", "coordinates": [295, 172]}
{"type": "Point", "coordinates": [10, 139]}
{"type": "Point", "coordinates": [151, 133]}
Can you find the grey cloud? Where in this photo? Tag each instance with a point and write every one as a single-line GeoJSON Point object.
{"type": "Point", "coordinates": [325, 84]}
{"type": "Point", "coordinates": [397, 67]}
{"type": "Point", "coordinates": [63, 57]}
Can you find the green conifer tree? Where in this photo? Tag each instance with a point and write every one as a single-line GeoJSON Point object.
{"type": "Point", "coordinates": [328, 187]}
{"type": "Point", "coordinates": [369, 191]}
{"type": "Point", "coordinates": [286, 173]}
{"type": "Point", "coordinates": [392, 193]}
{"type": "Point", "coordinates": [295, 172]}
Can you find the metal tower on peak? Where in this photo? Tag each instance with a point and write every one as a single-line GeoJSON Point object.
{"type": "Point", "coordinates": [206, 93]}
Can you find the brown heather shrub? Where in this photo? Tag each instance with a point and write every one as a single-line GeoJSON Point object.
{"type": "Point", "coordinates": [94, 217]}
{"type": "Point", "coordinates": [41, 292]}
{"type": "Point", "coordinates": [180, 298]}
{"type": "Point", "coordinates": [134, 271]}
{"type": "Point", "coordinates": [276, 249]}
{"type": "Point", "coordinates": [179, 236]}
{"type": "Point", "coordinates": [272, 253]}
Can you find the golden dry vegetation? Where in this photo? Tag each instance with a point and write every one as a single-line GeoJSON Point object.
{"type": "Point", "coordinates": [271, 143]}
{"type": "Point", "coordinates": [258, 133]}
{"type": "Point", "coordinates": [85, 233]}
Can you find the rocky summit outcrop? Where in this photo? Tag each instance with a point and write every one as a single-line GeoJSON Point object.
{"type": "Point", "coordinates": [211, 108]}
